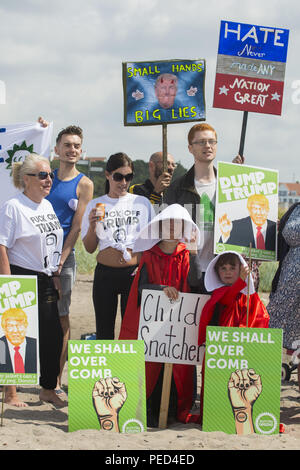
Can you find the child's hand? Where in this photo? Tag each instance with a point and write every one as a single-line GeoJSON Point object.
{"type": "Point", "coordinates": [244, 271]}
{"type": "Point", "coordinates": [171, 292]}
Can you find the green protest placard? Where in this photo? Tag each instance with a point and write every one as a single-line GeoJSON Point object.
{"type": "Point", "coordinates": [106, 385]}
{"type": "Point", "coordinates": [19, 363]}
{"type": "Point", "coordinates": [242, 380]}
{"type": "Point", "coordinates": [246, 211]}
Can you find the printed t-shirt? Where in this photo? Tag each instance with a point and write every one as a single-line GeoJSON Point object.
{"type": "Point", "coordinates": [123, 220]}
{"type": "Point", "coordinates": [207, 193]}
{"type": "Point", "coordinates": [32, 234]}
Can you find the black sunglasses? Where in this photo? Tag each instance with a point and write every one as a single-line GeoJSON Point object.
{"type": "Point", "coordinates": [42, 175]}
{"type": "Point", "coordinates": [119, 177]}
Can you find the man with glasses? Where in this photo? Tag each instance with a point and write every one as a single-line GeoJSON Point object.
{"type": "Point", "coordinates": [196, 190]}
{"type": "Point", "coordinates": [157, 183]}
{"type": "Point", "coordinates": [70, 193]}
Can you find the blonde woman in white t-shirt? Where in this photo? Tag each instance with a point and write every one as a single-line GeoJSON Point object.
{"type": "Point", "coordinates": [30, 244]}
{"type": "Point", "coordinates": [122, 217]}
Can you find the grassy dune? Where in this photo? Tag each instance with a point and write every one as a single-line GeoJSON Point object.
{"type": "Point", "coordinates": [87, 262]}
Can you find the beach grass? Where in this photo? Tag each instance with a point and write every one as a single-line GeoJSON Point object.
{"type": "Point", "coordinates": [86, 264]}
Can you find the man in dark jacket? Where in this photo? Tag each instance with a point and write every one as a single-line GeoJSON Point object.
{"type": "Point", "coordinates": [196, 190]}
{"type": "Point", "coordinates": [157, 183]}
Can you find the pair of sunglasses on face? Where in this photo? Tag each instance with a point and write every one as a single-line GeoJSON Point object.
{"type": "Point", "coordinates": [42, 175]}
{"type": "Point", "coordinates": [119, 177]}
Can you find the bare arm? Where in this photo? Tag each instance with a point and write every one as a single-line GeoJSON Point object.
{"type": "Point", "coordinates": [90, 240]}
{"type": "Point", "coordinates": [85, 193]}
{"type": "Point", "coordinates": [4, 261]}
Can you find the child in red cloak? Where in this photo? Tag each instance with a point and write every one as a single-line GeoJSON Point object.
{"type": "Point", "coordinates": [165, 265]}
{"type": "Point", "coordinates": [227, 277]}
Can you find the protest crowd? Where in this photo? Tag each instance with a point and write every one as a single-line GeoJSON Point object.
{"type": "Point", "coordinates": [143, 237]}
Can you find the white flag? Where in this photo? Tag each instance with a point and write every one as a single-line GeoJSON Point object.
{"type": "Point", "coordinates": [17, 141]}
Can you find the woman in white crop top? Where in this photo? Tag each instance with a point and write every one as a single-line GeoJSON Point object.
{"type": "Point", "coordinates": [122, 218]}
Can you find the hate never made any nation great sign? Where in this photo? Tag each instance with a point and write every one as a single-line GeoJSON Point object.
{"type": "Point", "coordinates": [250, 68]}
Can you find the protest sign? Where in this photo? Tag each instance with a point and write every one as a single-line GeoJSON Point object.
{"type": "Point", "coordinates": [170, 330]}
{"type": "Point", "coordinates": [18, 330]}
{"type": "Point", "coordinates": [17, 141]}
{"type": "Point", "coordinates": [242, 380]}
{"type": "Point", "coordinates": [167, 91]}
{"type": "Point", "coordinates": [250, 68]}
{"type": "Point", "coordinates": [107, 385]}
{"type": "Point", "coordinates": [246, 210]}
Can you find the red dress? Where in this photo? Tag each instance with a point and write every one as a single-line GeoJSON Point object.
{"type": "Point", "coordinates": [169, 270]}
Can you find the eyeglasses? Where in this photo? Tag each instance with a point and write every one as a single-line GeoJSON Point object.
{"type": "Point", "coordinates": [119, 177]}
{"type": "Point", "coordinates": [203, 142]}
{"type": "Point", "coordinates": [42, 175]}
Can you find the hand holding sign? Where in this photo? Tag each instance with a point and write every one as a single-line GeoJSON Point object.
{"type": "Point", "coordinates": [172, 293]}
{"type": "Point", "coordinates": [109, 395]}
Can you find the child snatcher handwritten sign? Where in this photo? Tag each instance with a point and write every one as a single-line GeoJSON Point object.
{"type": "Point", "coordinates": [170, 330]}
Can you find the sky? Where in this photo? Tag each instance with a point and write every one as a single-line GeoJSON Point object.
{"type": "Point", "coordinates": [63, 60]}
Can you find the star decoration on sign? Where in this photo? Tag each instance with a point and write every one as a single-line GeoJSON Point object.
{"type": "Point", "coordinates": [223, 90]}
{"type": "Point", "coordinates": [275, 96]}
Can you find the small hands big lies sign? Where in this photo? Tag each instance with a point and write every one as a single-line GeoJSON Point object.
{"type": "Point", "coordinates": [166, 91]}
{"type": "Point", "coordinates": [250, 68]}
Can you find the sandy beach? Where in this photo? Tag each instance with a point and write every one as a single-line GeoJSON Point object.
{"type": "Point", "coordinates": [41, 426]}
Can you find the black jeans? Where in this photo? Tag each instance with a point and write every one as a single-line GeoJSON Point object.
{"type": "Point", "coordinates": [108, 283]}
{"type": "Point", "coordinates": [50, 331]}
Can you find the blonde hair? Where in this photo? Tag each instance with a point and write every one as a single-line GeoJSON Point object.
{"type": "Point", "coordinates": [20, 169]}
{"type": "Point", "coordinates": [16, 314]}
{"type": "Point", "coordinates": [260, 199]}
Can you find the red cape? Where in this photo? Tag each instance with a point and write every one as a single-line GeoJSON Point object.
{"type": "Point", "coordinates": [234, 314]}
{"type": "Point", "coordinates": [170, 270]}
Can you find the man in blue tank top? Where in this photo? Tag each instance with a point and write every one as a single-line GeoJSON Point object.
{"type": "Point", "coordinates": [70, 193]}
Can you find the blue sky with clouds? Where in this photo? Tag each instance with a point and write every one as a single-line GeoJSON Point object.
{"type": "Point", "coordinates": [63, 60]}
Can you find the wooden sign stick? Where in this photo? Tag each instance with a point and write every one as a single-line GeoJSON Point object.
{"type": "Point", "coordinates": [165, 396]}
{"type": "Point", "coordinates": [2, 407]}
{"type": "Point", "coordinates": [243, 133]}
{"type": "Point", "coordinates": [165, 147]}
{"type": "Point", "coordinates": [248, 286]}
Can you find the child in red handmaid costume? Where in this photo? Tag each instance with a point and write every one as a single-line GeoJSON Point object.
{"type": "Point", "coordinates": [165, 265]}
{"type": "Point", "coordinates": [227, 278]}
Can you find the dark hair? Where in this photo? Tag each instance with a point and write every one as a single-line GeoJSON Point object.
{"type": "Point", "coordinates": [114, 162]}
{"type": "Point", "coordinates": [70, 130]}
{"type": "Point", "coordinates": [227, 258]}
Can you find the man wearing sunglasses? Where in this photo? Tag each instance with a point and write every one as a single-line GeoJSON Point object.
{"type": "Point", "coordinates": [70, 193]}
{"type": "Point", "coordinates": [157, 183]}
